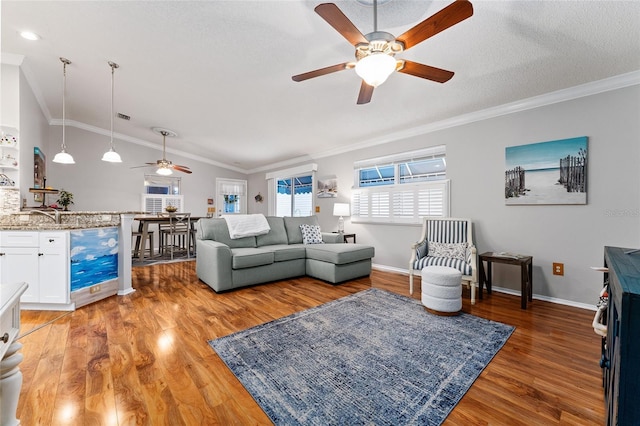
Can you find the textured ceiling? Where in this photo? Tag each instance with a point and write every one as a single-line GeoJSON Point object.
{"type": "Point", "coordinates": [219, 72]}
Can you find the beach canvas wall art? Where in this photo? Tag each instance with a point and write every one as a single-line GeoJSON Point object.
{"type": "Point", "coordinates": [94, 256]}
{"type": "Point", "coordinates": [553, 172]}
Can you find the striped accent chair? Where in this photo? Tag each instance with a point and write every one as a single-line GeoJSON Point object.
{"type": "Point", "coordinates": [446, 242]}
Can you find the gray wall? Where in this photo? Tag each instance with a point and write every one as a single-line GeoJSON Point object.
{"type": "Point", "coordinates": [34, 131]}
{"type": "Point", "coordinates": [573, 235]}
{"type": "Point", "coordinates": [102, 186]}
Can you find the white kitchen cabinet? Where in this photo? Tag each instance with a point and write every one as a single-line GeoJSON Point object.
{"type": "Point", "coordinates": [41, 259]}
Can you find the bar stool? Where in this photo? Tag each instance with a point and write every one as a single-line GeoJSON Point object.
{"type": "Point", "coordinates": [176, 235]}
{"type": "Point", "coordinates": [141, 245]}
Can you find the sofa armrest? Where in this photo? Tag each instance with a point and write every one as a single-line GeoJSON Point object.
{"type": "Point", "coordinates": [213, 264]}
{"type": "Point", "coordinates": [332, 237]}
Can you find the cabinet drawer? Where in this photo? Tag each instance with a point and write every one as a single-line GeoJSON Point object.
{"type": "Point", "coordinates": [18, 239]}
{"type": "Point", "coordinates": [53, 240]}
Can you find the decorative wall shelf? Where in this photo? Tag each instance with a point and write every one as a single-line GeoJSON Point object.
{"type": "Point", "coordinates": [44, 193]}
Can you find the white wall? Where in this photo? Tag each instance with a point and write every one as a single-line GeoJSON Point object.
{"type": "Point", "coordinates": [573, 235]}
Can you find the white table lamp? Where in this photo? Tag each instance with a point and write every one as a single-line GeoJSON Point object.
{"type": "Point", "coordinates": [341, 209]}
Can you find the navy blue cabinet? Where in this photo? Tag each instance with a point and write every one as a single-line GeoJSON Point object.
{"type": "Point", "coordinates": [621, 351]}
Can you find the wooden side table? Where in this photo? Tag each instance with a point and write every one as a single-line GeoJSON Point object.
{"type": "Point", "coordinates": [347, 236]}
{"type": "Point", "coordinates": [526, 273]}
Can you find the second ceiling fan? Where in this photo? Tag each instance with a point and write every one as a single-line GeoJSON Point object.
{"type": "Point", "coordinates": [165, 167]}
{"type": "Point", "coordinates": [375, 51]}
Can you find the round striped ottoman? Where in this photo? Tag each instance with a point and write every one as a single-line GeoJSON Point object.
{"type": "Point", "coordinates": [442, 290]}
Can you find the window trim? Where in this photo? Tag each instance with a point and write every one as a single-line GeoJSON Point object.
{"type": "Point", "coordinates": [272, 183]}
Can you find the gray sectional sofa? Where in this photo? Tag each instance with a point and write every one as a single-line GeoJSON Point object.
{"type": "Point", "coordinates": [224, 263]}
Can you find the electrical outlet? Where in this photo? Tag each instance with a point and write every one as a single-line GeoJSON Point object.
{"type": "Point", "coordinates": [94, 289]}
{"type": "Point", "coordinates": [317, 209]}
{"type": "Point", "coordinates": [558, 268]}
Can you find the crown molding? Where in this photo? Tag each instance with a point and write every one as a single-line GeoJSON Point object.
{"type": "Point", "coordinates": [587, 89]}
{"type": "Point", "coordinates": [583, 90]}
{"type": "Point", "coordinates": [141, 142]}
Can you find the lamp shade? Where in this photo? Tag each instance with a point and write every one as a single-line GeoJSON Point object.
{"type": "Point", "coordinates": [341, 209]}
{"type": "Point", "coordinates": [375, 68]}
{"type": "Point", "coordinates": [63, 157]}
{"type": "Point", "coordinates": [112, 156]}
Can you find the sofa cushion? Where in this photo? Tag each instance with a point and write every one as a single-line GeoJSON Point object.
{"type": "Point", "coordinates": [216, 229]}
{"type": "Point", "coordinates": [277, 234]}
{"type": "Point", "coordinates": [282, 252]}
{"type": "Point", "coordinates": [339, 254]}
{"type": "Point", "coordinates": [250, 257]}
{"type": "Point", "coordinates": [292, 225]}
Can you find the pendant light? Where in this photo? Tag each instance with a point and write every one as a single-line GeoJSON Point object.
{"type": "Point", "coordinates": [63, 157]}
{"type": "Point", "coordinates": [112, 156]}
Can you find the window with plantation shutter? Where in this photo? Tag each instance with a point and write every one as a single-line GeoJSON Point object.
{"type": "Point", "coordinates": [154, 203]}
{"type": "Point", "coordinates": [400, 203]}
{"type": "Point", "coordinates": [401, 188]}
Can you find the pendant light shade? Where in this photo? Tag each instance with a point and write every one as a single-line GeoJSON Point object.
{"type": "Point", "coordinates": [63, 157]}
{"type": "Point", "coordinates": [112, 156]}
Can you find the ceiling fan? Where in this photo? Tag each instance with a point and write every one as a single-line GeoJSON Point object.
{"type": "Point", "coordinates": [165, 167]}
{"type": "Point", "coordinates": [375, 51]}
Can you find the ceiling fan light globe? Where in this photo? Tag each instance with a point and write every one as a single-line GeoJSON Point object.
{"type": "Point", "coordinates": [112, 156]}
{"type": "Point", "coordinates": [164, 171]}
{"type": "Point", "coordinates": [63, 157]}
{"type": "Point", "coordinates": [375, 68]}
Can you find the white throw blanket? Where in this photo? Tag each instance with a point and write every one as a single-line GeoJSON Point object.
{"type": "Point", "coordinates": [246, 225]}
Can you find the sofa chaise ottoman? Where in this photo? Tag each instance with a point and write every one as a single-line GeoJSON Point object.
{"type": "Point", "coordinates": [225, 263]}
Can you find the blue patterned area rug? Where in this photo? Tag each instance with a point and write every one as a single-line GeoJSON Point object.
{"type": "Point", "coordinates": [371, 358]}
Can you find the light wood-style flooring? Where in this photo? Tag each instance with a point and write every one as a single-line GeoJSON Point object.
{"type": "Point", "coordinates": [143, 359]}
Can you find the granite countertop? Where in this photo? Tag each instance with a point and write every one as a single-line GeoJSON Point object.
{"type": "Point", "coordinates": [38, 220]}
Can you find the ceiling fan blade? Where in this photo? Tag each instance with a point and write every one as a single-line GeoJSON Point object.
{"type": "Point", "coordinates": [178, 165]}
{"type": "Point", "coordinates": [181, 169]}
{"type": "Point", "coordinates": [366, 91]}
{"type": "Point", "coordinates": [322, 71]}
{"type": "Point", "coordinates": [148, 165]}
{"type": "Point", "coordinates": [440, 21]}
{"type": "Point", "coordinates": [340, 22]}
{"type": "Point", "coordinates": [426, 71]}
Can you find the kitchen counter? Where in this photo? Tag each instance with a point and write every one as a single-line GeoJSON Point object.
{"type": "Point", "coordinates": [79, 224]}
{"type": "Point", "coordinates": [37, 220]}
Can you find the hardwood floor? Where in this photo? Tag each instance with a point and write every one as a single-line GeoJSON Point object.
{"type": "Point", "coordinates": [144, 358]}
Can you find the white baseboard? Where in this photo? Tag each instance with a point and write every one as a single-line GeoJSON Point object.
{"type": "Point", "coordinates": [385, 268]}
{"type": "Point", "coordinates": [586, 306]}
{"type": "Point", "coordinates": [548, 299]}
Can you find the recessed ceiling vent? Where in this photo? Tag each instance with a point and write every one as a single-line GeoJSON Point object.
{"type": "Point", "coordinates": [123, 116]}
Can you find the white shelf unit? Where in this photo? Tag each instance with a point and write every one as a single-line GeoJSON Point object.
{"type": "Point", "coordinates": [10, 154]}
